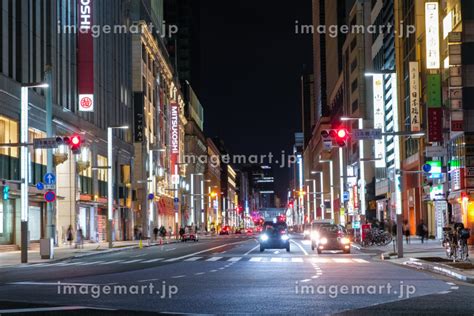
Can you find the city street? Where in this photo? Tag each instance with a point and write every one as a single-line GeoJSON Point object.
{"type": "Point", "coordinates": [232, 276]}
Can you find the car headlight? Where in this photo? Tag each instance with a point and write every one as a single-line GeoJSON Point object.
{"type": "Point", "coordinates": [285, 237]}
{"type": "Point", "coordinates": [315, 235]}
{"type": "Point", "coordinates": [264, 237]}
{"type": "Point", "coordinates": [323, 241]}
{"type": "Point", "coordinates": [345, 240]}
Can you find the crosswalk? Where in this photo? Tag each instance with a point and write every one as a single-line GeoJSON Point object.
{"type": "Point", "coordinates": [253, 259]}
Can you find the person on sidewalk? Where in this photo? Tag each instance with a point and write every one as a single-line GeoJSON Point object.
{"type": "Point", "coordinates": [406, 231]}
{"type": "Point", "coordinates": [155, 233]}
{"type": "Point", "coordinates": [422, 231]}
{"type": "Point", "coordinates": [69, 236]}
{"type": "Point", "coordinates": [79, 238]}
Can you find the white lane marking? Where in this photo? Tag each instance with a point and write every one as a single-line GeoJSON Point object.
{"type": "Point", "coordinates": [305, 280]}
{"type": "Point", "coordinates": [193, 259]}
{"type": "Point", "coordinates": [356, 247]}
{"type": "Point", "coordinates": [152, 260]}
{"type": "Point", "coordinates": [315, 277]}
{"type": "Point", "coordinates": [50, 283]}
{"type": "Point", "coordinates": [454, 287]}
{"type": "Point", "coordinates": [63, 264]}
{"type": "Point", "coordinates": [132, 261]}
{"type": "Point", "coordinates": [360, 260]}
{"type": "Point", "coordinates": [341, 260]}
{"type": "Point", "coordinates": [178, 276]}
{"type": "Point", "coordinates": [276, 260]}
{"type": "Point", "coordinates": [111, 262]}
{"type": "Point", "coordinates": [450, 283]}
{"type": "Point", "coordinates": [91, 263]}
{"type": "Point", "coordinates": [202, 251]}
{"type": "Point", "coordinates": [234, 259]}
{"type": "Point", "coordinates": [214, 259]}
{"type": "Point", "coordinates": [47, 309]}
{"type": "Point", "coordinates": [251, 250]}
{"type": "Point", "coordinates": [199, 273]}
{"type": "Point", "coordinates": [296, 259]}
{"type": "Point", "coordinates": [444, 292]}
{"type": "Point", "coordinates": [144, 254]}
{"type": "Point", "coordinates": [276, 252]}
{"type": "Point", "coordinates": [301, 247]}
{"type": "Point", "coordinates": [170, 249]}
{"type": "Point", "coordinates": [147, 280]}
{"type": "Point", "coordinates": [320, 260]}
{"type": "Point", "coordinates": [221, 268]}
{"type": "Point", "coordinates": [213, 270]}
{"type": "Point", "coordinates": [256, 259]}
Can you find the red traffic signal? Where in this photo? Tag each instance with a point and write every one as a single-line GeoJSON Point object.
{"type": "Point", "coordinates": [75, 144]}
{"type": "Point", "coordinates": [339, 136]}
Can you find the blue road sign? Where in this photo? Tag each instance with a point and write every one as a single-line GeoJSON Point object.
{"type": "Point", "coordinates": [151, 196]}
{"type": "Point", "coordinates": [346, 196]}
{"type": "Point", "coordinates": [176, 200]}
{"type": "Point", "coordinates": [40, 186]}
{"type": "Point", "coordinates": [50, 196]}
{"type": "Point", "coordinates": [426, 167]}
{"type": "Point", "coordinates": [49, 178]}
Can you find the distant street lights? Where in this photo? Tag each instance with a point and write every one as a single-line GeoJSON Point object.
{"type": "Point", "coordinates": [110, 197]}
{"type": "Point", "coordinates": [25, 152]}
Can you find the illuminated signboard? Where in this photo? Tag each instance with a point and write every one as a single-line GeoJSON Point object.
{"type": "Point", "coordinates": [435, 172]}
{"type": "Point", "coordinates": [414, 97]}
{"type": "Point", "coordinates": [379, 119]}
{"type": "Point", "coordinates": [432, 35]}
{"type": "Point", "coordinates": [85, 57]}
{"type": "Point", "coordinates": [174, 138]}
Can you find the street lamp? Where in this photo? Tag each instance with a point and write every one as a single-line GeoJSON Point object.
{"type": "Point", "coordinates": [321, 174]}
{"type": "Point", "coordinates": [314, 197]}
{"type": "Point", "coordinates": [331, 184]}
{"type": "Point", "coordinates": [110, 198]}
{"type": "Point", "coordinates": [24, 165]}
{"type": "Point", "coordinates": [363, 205]}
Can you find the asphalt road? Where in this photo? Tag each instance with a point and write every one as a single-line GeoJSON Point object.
{"type": "Point", "coordinates": [229, 275]}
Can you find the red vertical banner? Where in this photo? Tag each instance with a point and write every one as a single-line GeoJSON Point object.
{"type": "Point", "coordinates": [174, 140]}
{"type": "Point", "coordinates": [435, 125]}
{"type": "Point", "coordinates": [85, 56]}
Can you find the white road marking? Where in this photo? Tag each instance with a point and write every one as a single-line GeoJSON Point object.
{"type": "Point", "coordinates": [251, 250]}
{"type": "Point", "coordinates": [214, 270]}
{"type": "Point", "coordinates": [276, 260]}
{"type": "Point", "coordinates": [91, 263]}
{"type": "Point", "coordinates": [320, 260]}
{"type": "Point", "coordinates": [178, 276]}
{"type": "Point", "coordinates": [199, 273]}
{"type": "Point", "coordinates": [444, 292]}
{"type": "Point", "coordinates": [202, 251]}
{"type": "Point", "coordinates": [152, 260]}
{"type": "Point", "coordinates": [234, 259]}
{"type": "Point", "coordinates": [111, 262]}
{"type": "Point", "coordinates": [356, 247]}
{"type": "Point", "coordinates": [450, 283]}
{"type": "Point", "coordinates": [296, 259]}
{"type": "Point", "coordinates": [305, 280]}
{"type": "Point", "coordinates": [276, 252]}
{"type": "Point", "coordinates": [341, 260]}
{"type": "Point", "coordinates": [301, 247]}
{"type": "Point", "coordinates": [148, 280]}
{"type": "Point", "coordinates": [132, 261]}
{"type": "Point", "coordinates": [193, 259]}
{"type": "Point", "coordinates": [315, 277]}
{"type": "Point", "coordinates": [256, 259]}
{"type": "Point", "coordinates": [47, 309]}
{"type": "Point", "coordinates": [214, 259]}
{"type": "Point", "coordinates": [360, 260]}
{"type": "Point", "coordinates": [454, 287]}
{"type": "Point", "coordinates": [170, 249]}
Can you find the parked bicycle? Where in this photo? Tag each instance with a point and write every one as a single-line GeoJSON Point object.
{"type": "Point", "coordinates": [455, 242]}
{"type": "Point", "coordinates": [377, 237]}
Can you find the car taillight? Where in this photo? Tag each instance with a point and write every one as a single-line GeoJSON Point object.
{"type": "Point", "coordinates": [340, 234]}
{"type": "Point", "coordinates": [282, 232]}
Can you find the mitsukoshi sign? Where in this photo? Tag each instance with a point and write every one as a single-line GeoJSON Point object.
{"type": "Point", "coordinates": [85, 56]}
{"type": "Point", "coordinates": [174, 141]}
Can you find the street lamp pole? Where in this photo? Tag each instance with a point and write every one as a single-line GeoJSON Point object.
{"type": "Point", "coordinates": [331, 185]}
{"type": "Point", "coordinates": [110, 198]}
{"type": "Point", "coordinates": [25, 159]}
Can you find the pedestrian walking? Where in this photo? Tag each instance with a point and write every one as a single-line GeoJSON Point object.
{"type": "Point", "coordinates": [79, 238]}
{"type": "Point", "coordinates": [69, 236]}
{"type": "Point", "coordinates": [422, 231]}
{"type": "Point", "coordinates": [155, 233]}
{"type": "Point", "coordinates": [406, 231]}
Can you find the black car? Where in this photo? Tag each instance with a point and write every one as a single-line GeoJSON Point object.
{"type": "Point", "coordinates": [331, 237]}
{"type": "Point", "coordinates": [274, 236]}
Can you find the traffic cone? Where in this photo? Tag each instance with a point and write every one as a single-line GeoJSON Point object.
{"type": "Point", "coordinates": [140, 244]}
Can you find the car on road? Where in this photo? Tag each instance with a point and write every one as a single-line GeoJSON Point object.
{"type": "Point", "coordinates": [225, 230]}
{"type": "Point", "coordinates": [330, 237]}
{"type": "Point", "coordinates": [307, 231]}
{"type": "Point", "coordinates": [274, 236]}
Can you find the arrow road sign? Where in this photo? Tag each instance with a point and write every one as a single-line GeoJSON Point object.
{"type": "Point", "coordinates": [49, 178]}
{"type": "Point", "coordinates": [367, 134]}
{"type": "Point", "coordinates": [40, 186]}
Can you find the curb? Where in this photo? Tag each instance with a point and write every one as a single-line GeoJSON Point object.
{"type": "Point", "coordinates": [438, 268]}
{"type": "Point", "coordinates": [89, 254]}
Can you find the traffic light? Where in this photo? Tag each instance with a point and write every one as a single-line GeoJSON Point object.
{"type": "Point", "coordinates": [6, 190]}
{"type": "Point", "coordinates": [75, 144]}
{"type": "Point", "coordinates": [338, 135]}
{"type": "Point", "coordinates": [63, 140]}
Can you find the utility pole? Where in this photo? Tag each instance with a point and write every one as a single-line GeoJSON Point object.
{"type": "Point", "coordinates": [51, 215]}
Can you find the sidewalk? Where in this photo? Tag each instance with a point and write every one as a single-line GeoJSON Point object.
{"type": "Point", "coordinates": [63, 252]}
{"type": "Point", "coordinates": [430, 256]}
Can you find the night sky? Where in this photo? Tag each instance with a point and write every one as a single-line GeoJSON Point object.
{"type": "Point", "coordinates": [250, 63]}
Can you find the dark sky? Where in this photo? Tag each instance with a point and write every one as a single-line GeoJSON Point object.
{"type": "Point", "coordinates": [251, 61]}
